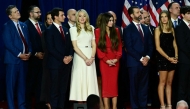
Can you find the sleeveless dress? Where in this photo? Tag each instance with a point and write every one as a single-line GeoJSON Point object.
{"type": "Point", "coordinates": [166, 43]}
{"type": "Point", "coordinates": [83, 77]}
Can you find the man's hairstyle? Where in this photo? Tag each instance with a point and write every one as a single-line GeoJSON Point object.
{"type": "Point", "coordinates": [93, 102]}
{"type": "Point", "coordinates": [184, 9]}
{"type": "Point", "coordinates": [31, 8]}
{"type": "Point", "coordinates": [170, 5]}
{"type": "Point", "coordinates": [55, 12]}
{"type": "Point", "coordinates": [131, 9]}
{"type": "Point", "coordinates": [8, 10]}
{"type": "Point", "coordinates": [182, 103]}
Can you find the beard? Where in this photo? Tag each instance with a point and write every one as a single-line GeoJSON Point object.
{"type": "Point", "coordinates": [37, 18]}
{"type": "Point", "coordinates": [138, 18]}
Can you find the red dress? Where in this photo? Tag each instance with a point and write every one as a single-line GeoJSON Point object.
{"type": "Point", "coordinates": [109, 74]}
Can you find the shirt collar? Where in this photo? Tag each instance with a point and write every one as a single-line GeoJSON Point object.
{"type": "Point", "coordinates": [57, 25]}
{"type": "Point", "coordinates": [186, 22]}
{"type": "Point", "coordinates": [33, 22]}
{"type": "Point", "coordinates": [174, 20]}
{"type": "Point", "coordinates": [71, 25]}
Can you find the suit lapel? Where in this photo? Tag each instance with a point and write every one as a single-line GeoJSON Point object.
{"type": "Point", "coordinates": [137, 31]}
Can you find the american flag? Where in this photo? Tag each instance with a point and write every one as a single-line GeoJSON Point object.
{"type": "Point", "coordinates": [154, 7]}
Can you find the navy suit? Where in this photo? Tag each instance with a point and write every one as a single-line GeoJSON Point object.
{"type": "Point", "coordinates": [58, 48]}
{"type": "Point", "coordinates": [16, 69]}
{"type": "Point", "coordinates": [34, 76]}
{"type": "Point", "coordinates": [138, 74]}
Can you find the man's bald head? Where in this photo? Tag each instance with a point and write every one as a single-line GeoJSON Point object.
{"type": "Point", "coordinates": [114, 16]}
{"type": "Point", "coordinates": [71, 15]}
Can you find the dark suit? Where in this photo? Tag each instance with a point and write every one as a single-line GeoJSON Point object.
{"type": "Point", "coordinates": [58, 48]}
{"type": "Point", "coordinates": [34, 76]}
{"type": "Point", "coordinates": [67, 25]}
{"type": "Point", "coordinates": [15, 68]}
{"type": "Point", "coordinates": [138, 74]}
{"type": "Point", "coordinates": [183, 42]}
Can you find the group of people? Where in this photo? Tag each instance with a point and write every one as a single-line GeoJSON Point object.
{"type": "Point", "coordinates": [49, 60]}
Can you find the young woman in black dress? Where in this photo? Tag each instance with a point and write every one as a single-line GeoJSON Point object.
{"type": "Point", "coordinates": [167, 57]}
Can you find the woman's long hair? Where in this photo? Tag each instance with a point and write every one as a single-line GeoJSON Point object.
{"type": "Point", "coordinates": [169, 24]}
{"type": "Point", "coordinates": [87, 26]}
{"type": "Point", "coordinates": [113, 34]}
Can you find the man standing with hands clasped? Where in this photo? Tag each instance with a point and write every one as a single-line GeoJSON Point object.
{"type": "Point", "coordinates": [138, 42]}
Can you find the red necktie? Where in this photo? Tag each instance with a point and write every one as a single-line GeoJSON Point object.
{"type": "Point", "coordinates": [189, 26]}
{"type": "Point", "coordinates": [23, 39]}
{"type": "Point", "coordinates": [61, 30]}
{"type": "Point", "coordinates": [140, 31]}
{"type": "Point", "coordinates": [38, 29]}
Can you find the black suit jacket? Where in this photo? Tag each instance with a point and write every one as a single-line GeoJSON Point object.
{"type": "Point", "coordinates": [57, 47]}
{"type": "Point", "coordinates": [182, 33]}
{"type": "Point", "coordinates": [34, 36]}
{"type": "Point", "coordinates": [67, 25]}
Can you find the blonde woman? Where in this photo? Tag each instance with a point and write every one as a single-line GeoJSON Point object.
{"type": "Point", "coordinates": [83, 74]}
{"type": "Point", "coordinates": [167, 57]}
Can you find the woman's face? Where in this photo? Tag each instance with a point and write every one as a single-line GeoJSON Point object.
{"type": "Point", "coordinates": [110, 22]}
{"type": "Point", "coordinates": [164, 18]}
{"type": "Point", "coordinates": [82, 18]}
{"type": "Point", "coordinates": [49, 20]}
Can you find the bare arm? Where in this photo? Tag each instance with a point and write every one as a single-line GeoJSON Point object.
{"type": "Point", "coordinates": [175, 46]}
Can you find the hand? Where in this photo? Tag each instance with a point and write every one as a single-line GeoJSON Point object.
{"type": "Point", "coordinates": [173, 60]}
{"type": "Point", "coordinates": [145, 61]}
{"type": "Point", "coordinates": [40, 55]}
{"type": "Point", "coordinates": [67, 59]}
{"type": "Point", "coordinates": [110, 63]}
{"type": "Point", "coordinates": [24, 57]}
{"type": "Point", "coordinates": [114, 60]}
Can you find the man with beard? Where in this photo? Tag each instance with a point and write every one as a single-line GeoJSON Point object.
{"type": "Point", "coordinates": [33, 81]}
{"type": "Point", "coordinates": [138, 42]}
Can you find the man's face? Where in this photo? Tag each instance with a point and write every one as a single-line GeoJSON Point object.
{"type": "Point", "coordinates": [15, 14]}
{"type": "Point", "coordinates": [136, 14]}
{"type": "Point", "coordinates": [61, 17]}
{"type": "Point", "coordinates": [71, 16]}
{"type": "Point", "coordinates": [175, 9]}
{"type": "Point", "coordinates": [186, 16]}
{"type": "Point", "coordinates": [36, 13]}
{"type": "Point", "coordinates": [146, 18]}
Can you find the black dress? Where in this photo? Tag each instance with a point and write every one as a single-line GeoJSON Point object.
{"type": "Point", "coordinates": [166, 43]}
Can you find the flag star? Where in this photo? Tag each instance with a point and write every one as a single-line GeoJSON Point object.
{"type": "Point", "coordinates": [132, 1]}
{"type": "Point", "coordinates": [156, 2]}
{"type": "Point", "coordinates": [180, 1]}
{"type": "Point", "coordinates": [140, 3]}
{"type": "Point", "coordinates": [135, 2]}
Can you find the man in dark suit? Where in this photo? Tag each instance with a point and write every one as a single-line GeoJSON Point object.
{"type": "Point", "coordinates": [174, 9]}
{"type": "Point", "coordinates": [33, 81]}
{"type": "Point", "coordinates": [60, 52]}
{"type": "Point", "coordinates": [153, 72]}
{"type": "Point", "coordinates": [183, 41]}
{"type": "Point", "coordinates": [71, 18]}
{"type": "Point", "coordinates": [17, 52]}
{"type": "Point", "coordinates": [138, 42]}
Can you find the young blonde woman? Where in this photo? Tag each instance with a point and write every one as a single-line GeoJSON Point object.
{"type": "Point", "coordinates": [83, 73]}
{"type": "Point", "coordinates": [167, 57]}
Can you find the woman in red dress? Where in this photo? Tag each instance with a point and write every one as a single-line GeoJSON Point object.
{"type": "Point", "coordinates": [109, 52]}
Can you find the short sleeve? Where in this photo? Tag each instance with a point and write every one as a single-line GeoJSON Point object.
{"type": "Point", "coordinates": [73, 33]}
{"type": "Point", "coordinates": [93, 36]}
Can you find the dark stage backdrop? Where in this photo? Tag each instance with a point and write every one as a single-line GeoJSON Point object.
{"type": "Point", "coordinates": [93, 7]}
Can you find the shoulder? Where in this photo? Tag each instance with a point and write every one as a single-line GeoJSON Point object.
{"type": "Point", "coordinates": [92, 27]}
{"type": "Point", "coordinates": [73, 29]}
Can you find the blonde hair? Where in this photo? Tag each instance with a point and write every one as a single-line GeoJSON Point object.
{"type": "Point", "coordinates": [87, 26]}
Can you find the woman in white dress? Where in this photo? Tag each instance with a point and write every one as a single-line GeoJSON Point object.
{"type": "Point", "coordinates": [83, 74]}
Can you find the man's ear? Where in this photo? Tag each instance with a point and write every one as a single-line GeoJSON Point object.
{"type": "Point", "coordinates": [131, 15]}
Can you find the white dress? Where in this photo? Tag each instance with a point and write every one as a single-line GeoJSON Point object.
{"type": "Point", "coordinates": [83, 77]}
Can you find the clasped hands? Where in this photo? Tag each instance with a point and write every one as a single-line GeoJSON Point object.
{"type": "Point", "coordinates": [173, 60]}
{"type": "Point", "coordinates": [24, 57]}
{"type": "Point", "coordinates": [67, 59]}
{"type": "Point", "coordinates": [144, 61]}
{"type": "Point", "coordinates": [89, 61]}
{"type": "Point", "coordinates": [111, 62]}
{"type": "Point", "coordinates": [39, 55]}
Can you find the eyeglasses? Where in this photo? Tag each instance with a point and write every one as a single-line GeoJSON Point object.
{"type": "Point", "coordinates": [37, 12]}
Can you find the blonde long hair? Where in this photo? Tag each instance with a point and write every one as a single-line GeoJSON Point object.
{"type": "Point", "coordinates": [169, 24]}
{"type": "Point", "coordinates": [87, 26]}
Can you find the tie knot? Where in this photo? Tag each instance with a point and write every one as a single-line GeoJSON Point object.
{"type": "Point", "coordinates": [36, 24]}
{"type": "Point", "coordinates": [60, 26]}
{"type": "Point", "coordinates": [138, 25]}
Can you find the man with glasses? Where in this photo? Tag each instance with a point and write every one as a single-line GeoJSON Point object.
{"type": "Point", "coordinates": [34, 75]}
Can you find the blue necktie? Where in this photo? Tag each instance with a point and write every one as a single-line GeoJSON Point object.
{"type": "Point", "coordinates": [175, 23]}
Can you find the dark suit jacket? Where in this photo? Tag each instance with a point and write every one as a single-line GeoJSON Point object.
{"type": "Point", "coordinates": [182, 33]}
{"type": "Point", "coordinates": [57, 47]}
{"type": "Point", "coordinates": [34, 36]}
{"type": "Point", "coordinates": [13, 43]}
{"type": "Point", "coordinates": [67, 25]}
{"type": "Point", "coordinates": [136, 48]}
{"type": "Point", "coordinates": [179, 21]}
